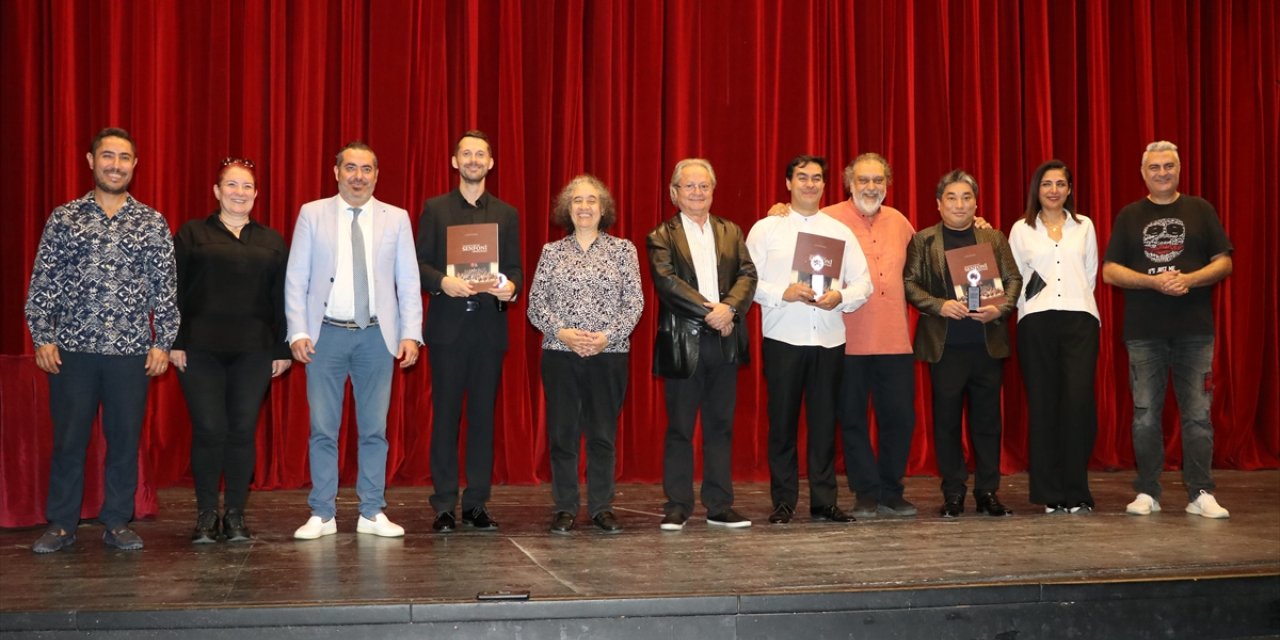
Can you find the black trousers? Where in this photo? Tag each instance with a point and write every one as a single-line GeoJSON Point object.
{"type": "Point", "coordinates": [1058, 352]}
{"type": "Point", "coordinates": [967, 372]}
{"type": "Point", "coordinates": [86, 381]}
{"type": "Point", "coordinates": [224, 394]}
{"type": "Point", "coordinates": [794, 375]}
{"type": "Point", "coordinates": [470, 369]}
{"type": "Point", "coordinates": [889, 381]}
{"type": "Point", "coordinates": [584, 397]}
{"type": "Point", "coordinates": [713, 390]}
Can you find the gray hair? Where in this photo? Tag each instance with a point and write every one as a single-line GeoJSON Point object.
{"type": "Point", "coordinates": [560, 214]}
{"type": "Point", "coordinates": [1160, 145]}
{"type": "Point", "coordinates": [689, 162]}
{"type": "Point", "coordinates": [867, 157]}
{"type": "Point", "coordinates": [953, 176]}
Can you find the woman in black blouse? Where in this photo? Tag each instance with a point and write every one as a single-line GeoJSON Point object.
{"type": "Point", "coordinates": [586, 300]}
{"type": "Point", "coordinates": [230, 344]}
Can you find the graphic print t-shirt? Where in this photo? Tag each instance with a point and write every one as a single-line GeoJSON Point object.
{"type": "Point", "coordinates": [1152, 238]}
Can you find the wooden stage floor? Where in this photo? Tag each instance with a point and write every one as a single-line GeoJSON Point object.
{"type": "Point", "coordinates": [902, 559]}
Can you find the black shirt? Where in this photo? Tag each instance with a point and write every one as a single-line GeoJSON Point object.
{"type": "Point", "coordinates": [1152, 238]}
{"type": "Point", "coordinates": [231, 290]}
{"type": "Point", "coordinates": [447, 317]}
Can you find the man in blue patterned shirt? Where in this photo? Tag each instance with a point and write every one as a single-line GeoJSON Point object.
{"type": "Point", "coordinates": [102, 315]}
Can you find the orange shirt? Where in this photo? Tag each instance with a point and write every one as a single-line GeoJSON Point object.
{"type": "Point", "coordinates": [878, 327]}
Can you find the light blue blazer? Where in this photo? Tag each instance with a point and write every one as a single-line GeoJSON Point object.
{"type": "Point", "coordinates": [313, 265]}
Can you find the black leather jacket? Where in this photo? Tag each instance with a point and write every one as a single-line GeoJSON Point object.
{"type": "Point", "coordinates": [680, 310]}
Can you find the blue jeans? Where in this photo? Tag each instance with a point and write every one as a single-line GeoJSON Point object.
{"type": "Point", "coordinates": [361, 355]}
{"type": "Point", "coordinates": [1190, 358]}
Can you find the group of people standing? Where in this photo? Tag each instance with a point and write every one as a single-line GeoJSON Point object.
{"type": "Point", "coordinates": [114, 299]}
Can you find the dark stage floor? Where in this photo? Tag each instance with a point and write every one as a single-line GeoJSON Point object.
{"type": "Point", "coordinates": [908, 563]}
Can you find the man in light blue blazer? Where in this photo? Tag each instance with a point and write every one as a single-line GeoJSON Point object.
{"type": "Point", "coordinates": [353, 302]}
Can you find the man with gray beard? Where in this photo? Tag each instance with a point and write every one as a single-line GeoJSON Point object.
{"type": "Point", "coordinates": [878, 361]}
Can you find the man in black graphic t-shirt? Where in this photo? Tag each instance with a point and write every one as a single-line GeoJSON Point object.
{"type": "Point", "coordinates": [1166, 251]}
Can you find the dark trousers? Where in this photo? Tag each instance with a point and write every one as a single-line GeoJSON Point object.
{"type": "Point", "coordinates": [967, 371]}
{"type": "Point", "coordinates": [794, 374]}
{"type": "Point", "coordinates": [890, 383]}
{"type": "Point", "coordinates": [469, 368]}
{"type": "Point", "coordinates": [584, 397]}
{"type": "Point", "coordinates": [86, 381]}
{"type": "Point", "coordinates": [713, 389]}
{"type": "Point", "coordinates": [224, 394]}
{"type": "Point", "coordinates": [1058, 352]}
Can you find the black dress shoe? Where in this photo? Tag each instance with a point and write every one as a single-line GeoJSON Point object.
{"type": "Point", "coordinates": [952, 506]}
{"type": "Point", "coordinates": [989, 504]}
{"type": "Point", "coordinates": [479, 518]}
{"type": "Point", "coordinates": [607, 522]}
{"type": "Point", "coordinates": [562, 522]}
{"type": "Point", "coordinates": [444, 522]}
{"type": "Point", "coordinates": [830, 513]}
{"type": "Point", "coordinates": [781, 514]}
{"type": "Point", "coordinates": [233, 526]}
{"type": "Point", "coordinates": [206, 531]}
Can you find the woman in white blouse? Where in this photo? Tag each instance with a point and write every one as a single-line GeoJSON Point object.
{"type": "Point", "coordinates": [1057, 253]}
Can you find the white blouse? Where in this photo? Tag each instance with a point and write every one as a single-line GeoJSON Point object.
{"type": "Point", "coordinates": [1069, 267]}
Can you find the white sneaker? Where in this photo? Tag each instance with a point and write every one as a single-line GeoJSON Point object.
{"type": "Point", "coordinates": [1143, 505]}
{"type": "Point", "coordinates": [379, 526]}
{"type": "Point", "coordinates": [315, 528]}
{"type": "Point", "coordinates": [1206, 505]}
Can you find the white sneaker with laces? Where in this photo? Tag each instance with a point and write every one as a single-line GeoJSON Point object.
{"type": "Point", "coordinates": [1206, 505]}
{"type": "Point", "coordinates": [379, 526]}
{"type": "Point", "coordinates": [1143, 505]}
{"type": "Point", "coordinates": [316, 527]}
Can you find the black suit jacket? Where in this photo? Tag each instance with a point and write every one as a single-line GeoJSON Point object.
{"type": "Point", "coordinates": [927, 286]}
{"type": "Point", "coordinates": [447, 315]}
{"type": "Point", "coordinates": [680, 310]}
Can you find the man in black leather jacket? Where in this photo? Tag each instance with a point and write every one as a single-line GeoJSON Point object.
{"type": "Point", "coordinates": [705, 281]}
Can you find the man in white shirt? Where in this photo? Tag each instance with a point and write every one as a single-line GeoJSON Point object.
{"type": "Point", "coordinates": [705, 280]}
{"type": "Point", "coordinates": [804, 338]}
{"type": "Point", "coordinates": [351, 310]}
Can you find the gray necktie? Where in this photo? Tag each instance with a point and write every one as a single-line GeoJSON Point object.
{"type": "Point", "coordinates": [359, 270]}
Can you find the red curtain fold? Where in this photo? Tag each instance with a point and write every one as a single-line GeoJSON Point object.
{"type": "Point", "coordinates": [623, 90]}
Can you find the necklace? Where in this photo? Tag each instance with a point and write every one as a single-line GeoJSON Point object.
{"type": "Point", "coordinates": [1054, 228]}
{"type": "Point", "coordinates": [232, 227]}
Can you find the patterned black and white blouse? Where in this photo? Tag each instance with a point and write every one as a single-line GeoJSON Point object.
{"type": "Point", "coordinates": [98, 280]}
{"type": "Point", "coordinates": [593, 290]}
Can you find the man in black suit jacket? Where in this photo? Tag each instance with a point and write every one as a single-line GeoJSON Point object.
{"type": "Point", "coordinates": [466, 334]}
{"type": "Point", "coordinates": [705, 280]}
{"type": "Point", "coordinates": [965, 349]}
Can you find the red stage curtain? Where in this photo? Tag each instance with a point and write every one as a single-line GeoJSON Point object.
{"type": "Point", "coordinates": [623, 90]}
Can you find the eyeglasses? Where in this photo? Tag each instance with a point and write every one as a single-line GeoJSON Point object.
{"type": "Point", "coordinates": [230, 160]}
{"type": "Point", "coordinates": [690, 187]}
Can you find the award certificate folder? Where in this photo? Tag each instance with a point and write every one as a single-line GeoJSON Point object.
{"type": "Point", "coordinates": [473, 252]}
{"type": "Point", "coordinates": [975, 266]}
{"type": "Point", "coordinates": [818, 262]}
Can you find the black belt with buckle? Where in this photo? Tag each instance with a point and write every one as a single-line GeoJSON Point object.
{"type": "Point", "coordinates": [348, 324]}
{"type": "Point", "coordinates": [473, 305]}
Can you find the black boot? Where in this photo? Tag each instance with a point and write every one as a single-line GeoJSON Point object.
{"type": "Point", "coordinates": [206, 531]}
{"type": "Point", "coordinates": [233, 526]}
